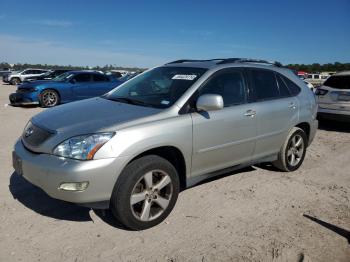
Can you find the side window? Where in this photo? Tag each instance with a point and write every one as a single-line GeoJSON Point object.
{"type": "Point", "coordinates": [99, 78]}
{"type": "Point", "coordinates": [294, 89]}
{"type": "Point", "coordinates": [27, 72]}
{"type": "Point", "coordinates": [82, 78]}
{"type": "Point", "coordinates": [265, 85]}
{"type": "Point", "coordinates": [282, 86]}
{"type": "Point", "coordinates": [230, 85]}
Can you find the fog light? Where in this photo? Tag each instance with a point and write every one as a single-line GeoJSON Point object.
{"type": "Point", "coordinates": [74, 186]}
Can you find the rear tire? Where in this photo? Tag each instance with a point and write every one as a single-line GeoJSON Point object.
{"type": "Point", "coordinates": [292, 153]}
{"type": "Point", "coordinates": [49, 98]}
{"type": "Point", "coordinates": [15, 81]}
{"type": "Point", "coordinates": [145, 192]}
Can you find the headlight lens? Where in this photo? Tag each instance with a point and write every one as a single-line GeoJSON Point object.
{"type": "Point", "coordinates": [82, 147]}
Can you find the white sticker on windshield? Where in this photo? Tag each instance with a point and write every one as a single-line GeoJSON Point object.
{"type": "Point", "coordinates": [165, 102]}
{"type": "Point", "coordinates": [184, 77]}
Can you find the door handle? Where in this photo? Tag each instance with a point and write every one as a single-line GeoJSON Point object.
{"type": "Point", "coordinates": [250, 113]}
{"type": "Point", "coordinates": [292, 106]}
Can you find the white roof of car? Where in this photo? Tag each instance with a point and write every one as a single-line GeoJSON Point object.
{"type": "Point", "coordinates": [342, 73]}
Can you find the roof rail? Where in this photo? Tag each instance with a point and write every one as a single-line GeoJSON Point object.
{"type": "Point", "coordinates": [249, 60]}
{"type": "Point", "coordinates": [192, 60]}
{"type": "Point", "coordinates": [229, 60]}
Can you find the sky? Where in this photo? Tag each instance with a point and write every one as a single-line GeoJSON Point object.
{"type": "Point", "coordinates": [150, 33]}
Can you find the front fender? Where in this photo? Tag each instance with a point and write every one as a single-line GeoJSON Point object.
{"type": "Point", "coordinates": [133, 141]}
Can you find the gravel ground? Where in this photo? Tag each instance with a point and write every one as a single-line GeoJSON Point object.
{"type": "Point", "coordinates": [257, 214]}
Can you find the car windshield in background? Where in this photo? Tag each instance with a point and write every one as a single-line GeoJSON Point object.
{"type": "Point", "coordinates": [160, 87]}
{"type": "Point", "coordinates": [338, 82]}
{"type": "Point", "coordinates": [63, 77]}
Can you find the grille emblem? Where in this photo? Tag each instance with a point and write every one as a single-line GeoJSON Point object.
{"type": "Point", "coordinates": [29, 131]}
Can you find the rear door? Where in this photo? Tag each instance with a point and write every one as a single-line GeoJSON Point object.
{"type": "Point", "coordinates": [276, 110]}
{"type": "Point", "coordinates": [226, 137]}
{"type": "Point", "coordinates": [100, 85]}
{"type": "Point", "coordinates": [81, 85]}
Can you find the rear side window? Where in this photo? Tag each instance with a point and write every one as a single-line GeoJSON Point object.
{"type": "Point", "coordinates": [338, 82]}
{"type": "Point", "coordinates": [265, 85]}
{"type": "Point", "coordinates": [294, 89]}
{"type": "Point", "coordinates": [82, 77]}
{"type": "Point", "coordinates": [99, 78]}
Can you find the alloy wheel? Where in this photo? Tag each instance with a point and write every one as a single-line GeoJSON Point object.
{"type": "Point", "coordinates": [151, 195]}
{"type": "Point", "coordinates": [49, 98]}
{"type": "Point", "coordinates": [295, 150]}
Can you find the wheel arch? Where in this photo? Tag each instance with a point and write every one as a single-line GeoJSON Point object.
{"type": "Point", "coordinates": [171, 154]}
{"type": "Point", "coordinates": [305, 126]}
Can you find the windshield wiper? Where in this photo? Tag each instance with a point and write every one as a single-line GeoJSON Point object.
{"type": "Point", "coordinates": [129, 101]}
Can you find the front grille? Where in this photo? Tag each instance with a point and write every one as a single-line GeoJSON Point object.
{"type": "Point", "coordinates": [34, 135]}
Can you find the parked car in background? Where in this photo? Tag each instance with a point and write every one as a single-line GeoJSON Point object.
{"type": "Point", "coordinates": [16, 78]}
{"type": "Point", "coordinates": [333, 97]}
{"type": "Point", "coordinates": [48, 75]}
{"type": "Point", "coordinates": [128, 77]}
{"type": "Point", "coordinates": [316, 79]}
{"type": "Point", "coordinates": [171, 127]}
{"type": "Point", "coordinates": [114, 74]}
{"type": "Point", "coordinates": [5, 71]}
{"type": "Point", "coordinates": [309, 85]}
{"type": "Point", "coordinates": [67, 87]}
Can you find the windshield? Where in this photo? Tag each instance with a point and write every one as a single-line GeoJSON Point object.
{"type": "Point", "coordinates": [160, 87]}
{"type": "Point", "coordinates": [63, 77]}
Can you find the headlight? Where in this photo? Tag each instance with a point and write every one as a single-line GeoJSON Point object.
{"type": "Point", "coordinates": [82, 147]}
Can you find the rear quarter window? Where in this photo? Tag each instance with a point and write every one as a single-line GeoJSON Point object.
{"type": "Point", "coordinates": [294, 89]}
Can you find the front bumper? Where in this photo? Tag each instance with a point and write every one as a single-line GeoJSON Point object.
{"type": "Point", "coordinates": [48, 172]}
{"type": "Point", "coordinates": [23, 99]}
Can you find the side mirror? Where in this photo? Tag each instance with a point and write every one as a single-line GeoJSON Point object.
{"type": "Point", "coordinates": [72, 81]}
{"type": "Point", "coordinates": [210, 102]}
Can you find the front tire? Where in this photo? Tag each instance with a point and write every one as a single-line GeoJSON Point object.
{"type": "Point", "coordinates": [49, 98]}
{"type": "Point", "coordinates": [145, 193]}
{"type": "Point", "coordinates": [15, 81]}
{"type": "Point", "coordinates": [292, 153]}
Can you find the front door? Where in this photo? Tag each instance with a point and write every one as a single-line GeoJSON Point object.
{"type": "Point", "coordinates": [225, 137]}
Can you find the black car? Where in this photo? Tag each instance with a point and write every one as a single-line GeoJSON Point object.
{"type": "Point", "coordinates": [48, 76]}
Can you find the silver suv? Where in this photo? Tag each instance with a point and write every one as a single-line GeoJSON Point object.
{"type": "Point", "coordinates": [333, 97]}
{"type": "Point", "coordinates": [16, 78]}
{"type": "Point", "coordinates": [133, 149]}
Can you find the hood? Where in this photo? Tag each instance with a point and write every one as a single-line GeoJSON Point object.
{"type": "Point", "coordinates": [90, 115]}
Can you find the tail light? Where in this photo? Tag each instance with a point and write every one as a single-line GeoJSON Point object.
{"type": "Point", "coordinates": [320, 92]}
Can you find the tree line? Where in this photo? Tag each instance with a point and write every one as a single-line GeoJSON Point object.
{"type": "Point", "coordinates": [314, 68]}
{"type": "Point", "coordinates": [20, 66]}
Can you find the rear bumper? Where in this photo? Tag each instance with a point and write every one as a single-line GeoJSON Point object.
{"type": "Point", "coordinates": [333, 111]}
{"type": "Point", "coordinates": [23, 99]}
{"type": "Point", "coordinates": [334, 117]}
{"type": "Point", "coordinates": [333, 114]}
